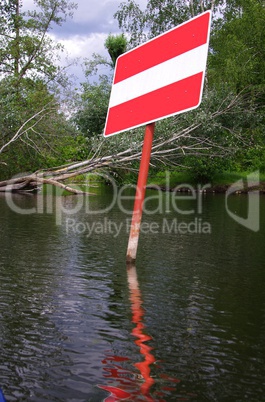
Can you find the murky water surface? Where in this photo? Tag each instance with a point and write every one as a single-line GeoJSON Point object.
{"type": "Point", "coordinates": [188, 323]}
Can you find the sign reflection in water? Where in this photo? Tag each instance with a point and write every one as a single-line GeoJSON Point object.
{"type": "Point", "coordinates": [137, 319]}
{"type": "Point", "coordinates": [135, 386]}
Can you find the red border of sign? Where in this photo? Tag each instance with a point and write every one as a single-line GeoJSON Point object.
{"type": "Point", "coordinates": [123, 110]}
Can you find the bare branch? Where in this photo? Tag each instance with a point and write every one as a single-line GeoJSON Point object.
{"type": "Point", "coordinates": [24, 129]}
{"type": "Point", "coordinates": [168, 149]}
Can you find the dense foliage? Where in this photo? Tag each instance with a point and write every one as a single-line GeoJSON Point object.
{"type": "Point", "coordinates": [34, 132]}
{"type": "Point", "coordinates": [231, 140]}
{"type": "Point", "coordinates": [227, 132]}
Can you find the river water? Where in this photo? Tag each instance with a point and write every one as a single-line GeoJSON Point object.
{"type": "Point", "coordinates": [186, 324]}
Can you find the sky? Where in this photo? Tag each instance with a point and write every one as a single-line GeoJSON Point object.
{"type": "Point", "coordinates": [85, 33]}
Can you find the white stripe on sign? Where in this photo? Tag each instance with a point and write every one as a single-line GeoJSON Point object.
{"type": "Point", "coordinates": [166, 73]}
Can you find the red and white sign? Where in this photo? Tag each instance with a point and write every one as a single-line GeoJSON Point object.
{"type": "Point", "coordinates": [160, 78]}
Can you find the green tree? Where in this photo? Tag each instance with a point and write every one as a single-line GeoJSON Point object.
{"type": "Point", "coordinates": [116, 45]}
{"type": "Point", "coordinates": [158, 17]}
{"type": "Point", "coordinates": [32, 125]}
{"type": "Point", "coordinates": [235, 69]}
{"type": "Point", "coordinates": [93, 105]}
{"type": "Point", "coordinates": [238, 57]}
{"type": "Point", "coordinates": [33, 130]}
{"type": "Point", "coordinates": [26, 49]}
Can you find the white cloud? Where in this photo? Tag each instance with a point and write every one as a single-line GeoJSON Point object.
{"type": "Point", "coordinates": [77, 48]}
{"type": "Point", "coordinates": [94, 10]}
{"type": "Point", "coordinates": [86, 32]}
{"type": "Point", "coordinates": [99, 10]}
{"type": "Point", "coordinates": [84, 46]}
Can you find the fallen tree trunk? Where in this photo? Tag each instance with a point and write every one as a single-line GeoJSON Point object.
{"type": "Point", "coordinates": [16, 186]}
{"type": "Point", "coordinates": [57, 175]}
{"type": "Point", "coordinates": [33, 182]}
{"type": "Point", "coordinates": [186, 141]}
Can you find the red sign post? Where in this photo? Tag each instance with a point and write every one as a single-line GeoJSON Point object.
{"type": "Point", "coordinates": [140, 193]}
{"type": "Point", "coordinates": [161, 78]}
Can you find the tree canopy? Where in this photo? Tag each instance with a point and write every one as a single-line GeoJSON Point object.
{"type": "Point", "coordinates": [235, 70]}
{"type": "Point", "coordinates": [30, 118]}
{"type": "Point", "coordinates": [226, 132]}
{"type": "Point", "coordinates": [26, 49]}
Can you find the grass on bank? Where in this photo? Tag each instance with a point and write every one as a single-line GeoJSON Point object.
{"type": "Point", "coordinates": [96, 184]}
{"type": "Point", "coordinates": [172, 179]}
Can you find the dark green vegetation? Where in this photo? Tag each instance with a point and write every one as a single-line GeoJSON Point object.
{"type": "Point", "coordinates": [225, 134]}
{"type": "Point", "coordinates": [219, 182]}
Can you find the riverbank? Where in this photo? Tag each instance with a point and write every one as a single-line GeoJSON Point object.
{"type": "Point", "coordinates": [242, 182]}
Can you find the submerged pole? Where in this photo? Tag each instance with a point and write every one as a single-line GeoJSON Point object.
{"type": "Point", "coordinates": [140, 194]}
